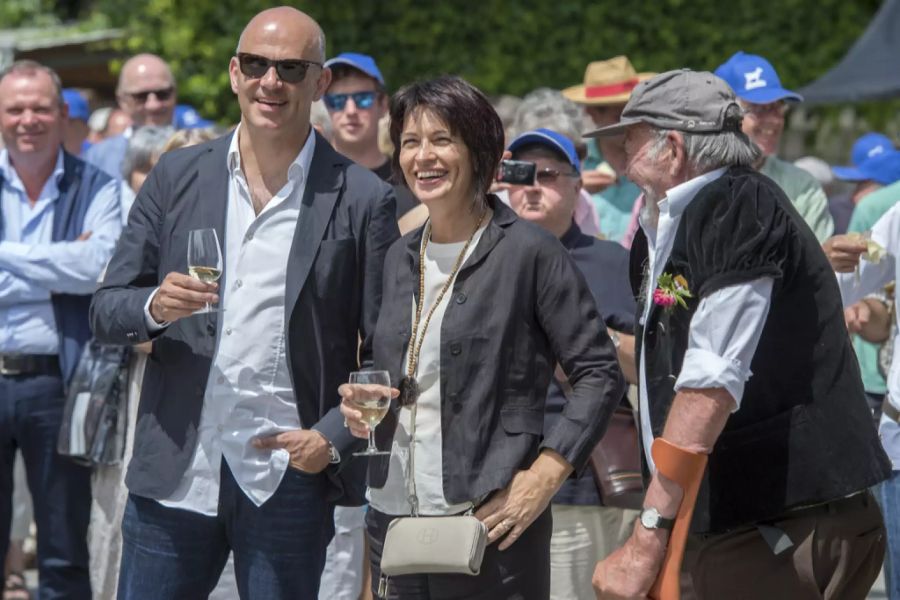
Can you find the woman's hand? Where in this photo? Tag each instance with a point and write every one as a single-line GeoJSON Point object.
{"type": "Point", "coordinates": [352, 393]}
{"type": "Point", "coordinates": [843, 252]}
{"type": "Point", "coordinates": [513, 509]}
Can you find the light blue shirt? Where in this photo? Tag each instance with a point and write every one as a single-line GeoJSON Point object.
{"type": "Point", "coordinates": [32, 266]}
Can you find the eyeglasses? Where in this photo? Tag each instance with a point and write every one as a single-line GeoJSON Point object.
{"type": "Point", "coordinates": [362, 100]}
{"type": "Point", "coordinates": [549, 176]}
{"type": "Point", "coordinates": [292, 70]}
{"type": "Point", "coordinates": [778, 108]}
{"type": "Point", "coordinates": [163, 95]}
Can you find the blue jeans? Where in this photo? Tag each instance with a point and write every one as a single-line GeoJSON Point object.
{"type": "Point", "coordinates": [279, 547]}
{"type": "Point", "coordinates": [889, 498]}
{"type": "Point", "coordinates": [31, 409]}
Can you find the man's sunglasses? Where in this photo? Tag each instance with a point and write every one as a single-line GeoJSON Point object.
{"type": "Point", "coordinates": [292, 70]}
{"type": "Point", "coordinates": [162, 95]}
{"type": "Point", "coordinates": [549, 176]}
{"type": "Point", "coordinates": [362, 100]}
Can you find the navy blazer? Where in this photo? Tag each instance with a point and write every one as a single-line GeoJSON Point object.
{"type": "Point", "coordinates": [518, 306]}
{"type": "Point", "coordinates": [333, 292]}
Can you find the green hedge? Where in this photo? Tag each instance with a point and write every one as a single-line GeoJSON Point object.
{"type": "Point", "coordinates": [502, 46]}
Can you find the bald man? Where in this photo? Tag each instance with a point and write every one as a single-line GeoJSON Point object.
{"type": "Point", "coordinates": [146, 94]}
{"type": "Point", "coordinates": [239, 444]}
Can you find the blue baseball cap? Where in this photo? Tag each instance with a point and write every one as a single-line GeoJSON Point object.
{"type": "Point", "coordinates": [360, 62]}
{"type": "Point", "coordinates": [77, 105]}
{"type": "Point", "coordinates": [867, 146]}
{"type": "Point", "coordinates": [754, 79]}
{"type": "Point", "coordinates": [187, 117]}
{"type": "Point", "coordinates": [883, 168]}
{"type": "Point", "coordinates": [551, 139]}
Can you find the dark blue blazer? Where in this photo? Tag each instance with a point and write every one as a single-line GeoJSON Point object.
{"type": "Point", "coordinates": [333, 292]}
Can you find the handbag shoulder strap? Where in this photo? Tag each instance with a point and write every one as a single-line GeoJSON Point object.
{"type": "Point", "coordinates": [411, 466]}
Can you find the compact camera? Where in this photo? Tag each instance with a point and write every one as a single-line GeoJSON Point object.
{"type": "Point", "coordinates": [517, 172]}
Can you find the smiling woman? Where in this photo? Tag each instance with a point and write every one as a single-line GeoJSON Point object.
{"type": "Point", "coordinates": [486, 304]}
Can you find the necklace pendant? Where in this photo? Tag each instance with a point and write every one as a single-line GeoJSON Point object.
{"type": "Point", "coordinates": [409, 391]}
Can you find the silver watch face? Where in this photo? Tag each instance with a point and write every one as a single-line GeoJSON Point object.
{"type": "Point", "coordinates": [650, 518]}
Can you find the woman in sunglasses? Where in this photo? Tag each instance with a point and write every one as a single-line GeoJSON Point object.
{"type": "Point", "coordinates": [478, 307]}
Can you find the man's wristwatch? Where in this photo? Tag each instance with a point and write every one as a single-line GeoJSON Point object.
{"type": "Point", "coordinates": [651, 519]}
{"type": "Point", "coordinates": [334, 457]}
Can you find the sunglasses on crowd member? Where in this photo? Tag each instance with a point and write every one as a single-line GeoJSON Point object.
{"type": "Point", "coordinates": [362, 100]}
{"type": "Point", "coordinates": [291, 70]}
{"type": "Point", "coordinates": [549, 176]}
{"type": "Point", "coordinates": [163, 95]}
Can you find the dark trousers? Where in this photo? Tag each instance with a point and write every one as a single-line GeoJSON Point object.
{"type": "Point", "coordinates": [521, 572]}
{"type": "Point", "coordinates": [279, 547]}
{"type": "Point", "coordinates": [31, 409]}
{"type": "Point", "coordinates": [836, 554]}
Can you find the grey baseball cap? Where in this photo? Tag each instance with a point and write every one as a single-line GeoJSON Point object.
{"type": "Point", "coordinates": [685, 100]}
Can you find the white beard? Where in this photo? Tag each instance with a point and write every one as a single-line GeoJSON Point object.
{"type": "Point", "coordinates": [650, 210]}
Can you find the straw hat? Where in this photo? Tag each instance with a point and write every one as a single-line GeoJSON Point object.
{"type": "Point", "coordinates": [606, 82]}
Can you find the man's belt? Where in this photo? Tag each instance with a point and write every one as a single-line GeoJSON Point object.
{"type": "Point", "coordinates": [888, 409]}
{"type": "Point", "coordinates": [29, 364]}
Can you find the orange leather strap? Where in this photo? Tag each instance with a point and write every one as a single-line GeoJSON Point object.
{"type": "Point", "coordinates": [686, 469]}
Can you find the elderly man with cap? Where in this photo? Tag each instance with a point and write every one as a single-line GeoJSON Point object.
{"type": "Point", "coordinates": [584, 530]}
{"type": "Point", "coordinates": [765, 103]}
{"type": "Point", "coordinates": [357, 101]}
{"type": "Point", "coordinates": [146, 93]}
{"type": "Point", "coordinates": [606, 88]}
{"type": "Point", "coordinates": [745, 366]}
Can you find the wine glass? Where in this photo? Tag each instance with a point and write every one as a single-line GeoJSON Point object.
{"type": "Point", "coordinates": [372, 398]}
{"type": "Point", "coordinates": [204, 258]}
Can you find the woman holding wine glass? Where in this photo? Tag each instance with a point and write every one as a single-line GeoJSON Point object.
{"type": "Point", "coordinates": [478, 309]}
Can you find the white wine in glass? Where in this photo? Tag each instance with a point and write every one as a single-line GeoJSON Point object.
{"type": "Point", "coordinates": [372, 399]}
{"type": "Point", "coordinates": [204, 258]}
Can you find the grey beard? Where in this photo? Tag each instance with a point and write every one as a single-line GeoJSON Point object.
{"type": "Point", "coordinates": [650, 210]}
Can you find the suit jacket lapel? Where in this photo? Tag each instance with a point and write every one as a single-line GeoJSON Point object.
{"type": "Point", "coordinates": [323, 187]}
{"type": "Point", "coordinates": [212, 187]}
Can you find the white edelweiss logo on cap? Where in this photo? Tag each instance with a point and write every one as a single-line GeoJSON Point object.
{"type": "Point", "coordinates": [879, 149]}
{"type": "Point", "coordinates": [754, 79]}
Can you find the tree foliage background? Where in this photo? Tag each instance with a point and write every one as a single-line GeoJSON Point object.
{"type": "Point", "coordinates": [503, 46]}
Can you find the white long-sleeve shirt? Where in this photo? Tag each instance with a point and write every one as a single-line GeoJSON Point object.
{"type": "Point", "coordinates": [726, 326]}
{"type": "Point", "coordinates": [249, 392]}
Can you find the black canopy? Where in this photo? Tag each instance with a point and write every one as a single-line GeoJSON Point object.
{"type": "Point", "coordinates": [870, 70]}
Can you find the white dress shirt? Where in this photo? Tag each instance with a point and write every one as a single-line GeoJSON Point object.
{"type": "Point", "coordinates": [726, 326]}
{"type": "Point", "coordinates": [392, 498]}
{"type": "Point", "coordinates": [249, 392]}
{"type": "Point", "coordinates": [873, 277]}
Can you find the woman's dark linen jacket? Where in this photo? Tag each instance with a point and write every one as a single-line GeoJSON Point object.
{"type": "Point", "coordinates": [519, 305]}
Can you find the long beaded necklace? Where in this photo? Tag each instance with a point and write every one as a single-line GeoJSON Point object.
{"type": "Point", "coordinates": [409, 386]}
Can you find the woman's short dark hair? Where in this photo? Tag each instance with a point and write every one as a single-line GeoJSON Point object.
{"type": "Point", "coordinates": [465, 110]}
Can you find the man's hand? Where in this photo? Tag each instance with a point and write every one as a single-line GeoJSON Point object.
{"type": "Point", "coordinates": [309, 449]}
{"type": "Point", "coordinates": [510, 511]}
{"type": "Point", "coordinates": [843, 252]}
{"type": "Point", "coordinates": [181, 296]}
{"type": "Point", "coordinates": [84, 236]}
{"type": "Point", "coordinates": [629, 572]}
{"type": "Point", "coordinates": [857, 316]}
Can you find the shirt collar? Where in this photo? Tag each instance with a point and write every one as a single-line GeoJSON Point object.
{"type": "Point", "coordinates": [9, 174]}
{"type": "Point", "coordinates": [297, 170]}
{"type": "Point", "coordinates": [679, 197]}
{"type": "Point", "coordinates": [571, 236]}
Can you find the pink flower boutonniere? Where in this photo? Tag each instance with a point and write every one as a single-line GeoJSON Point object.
{"type": "Point", "coordinates": [671, 290]}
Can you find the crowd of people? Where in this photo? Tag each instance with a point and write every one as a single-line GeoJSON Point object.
{"type": "Point", "coordinates": [658, 260]}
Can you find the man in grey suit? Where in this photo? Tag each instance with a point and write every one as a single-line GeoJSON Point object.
{"type": "Point", "coordinates": [239, 444]}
